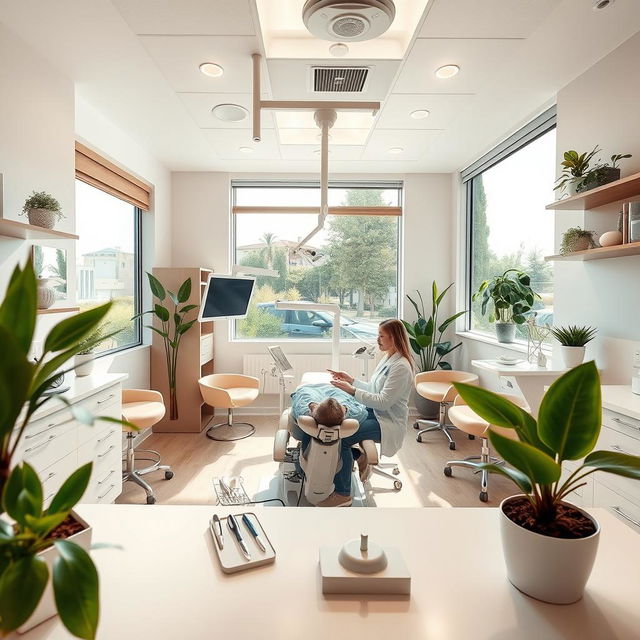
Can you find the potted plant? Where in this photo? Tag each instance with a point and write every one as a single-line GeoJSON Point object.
{"type": "Point", "coordinates": [40, 543]}
{"type": "Point", "coordinates": [573, 340]}
{"type": "Point", "coordinates": [85, 358]}
{"type": "Point", "coordinates": [512, 297]}
{"type": "Point", "coordinates": [425, 337]}
{"type": "Point", "coordinates": [575, 168]}
{"type": "Point", "coordinates": [576, 239]}
{"type": "Point", "coordinates": [549, 545]}
{"type": "Point", "coordinates": [602, 174]}
{"type": "Point", "coordinates": [42, 210]}
{"type": "Point", "coordinates": [173, 327]}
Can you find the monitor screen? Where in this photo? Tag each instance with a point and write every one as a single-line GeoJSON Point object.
{"type": "Point", "coordinates": [226, 297]}
{"type": "Point", "coordinates": [280, 359]}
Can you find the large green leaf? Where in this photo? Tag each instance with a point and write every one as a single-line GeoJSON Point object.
{"type": "Point", "coordinates": [621, 464]}
{"type": "Point", "coordinates": [450, 320]}
{"type": "Point", "coordinates": [75, 587]}
{"type": "Point", "coordinates": [18, 309]}
{"type": "Point", "coordinates": [21, 586]}
{"type": "Point", "coordinates": [570, 414]}
{"type": "Point", "coordinates": [161, 312]}
{"type": "Point", "coordinates": [156, 287]}
{"type": "Point", "coordinates": [183, 328]}
{"type": "Point", "coordinates": [185, 290]}
{"type": "Point", "coordinates": [71, 491]}
{"type": "Point", "coordinates": [43, 525]}
{"type": "Point", "coordinates": [21, 495]}
{"type": "Point", "coordinates": [70, 331]}
{"type": "Point", "coordinates": [536, 465]}
{"type": "Point", "coordinates": [520, 479]}
{"type": "Point", "coordinates": [189, 307]}
{"type": "Point", "coordinates": [490, 406]}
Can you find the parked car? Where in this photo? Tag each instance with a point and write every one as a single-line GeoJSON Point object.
{"type": "Point", "coordinates": [303, 323]}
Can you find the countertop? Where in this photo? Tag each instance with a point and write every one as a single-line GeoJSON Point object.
{"type": "Point", "coordinates": [620, 398]}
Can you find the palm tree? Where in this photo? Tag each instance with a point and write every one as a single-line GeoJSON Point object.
{"type": "Point", "coordinates": [267, 253]}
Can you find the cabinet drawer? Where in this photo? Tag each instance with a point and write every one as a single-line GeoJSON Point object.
{"type": "Point", "coordinates": [87, 432]}
{"type": "Point", "coordinates": [105, 452]}
{"type": "Point", "coordinates": [47, 440]}
{"type": "Point", "coordinates": [206, 348]}
{"type": "Point", "coordinates": [53, 477]}
{"type": "Point", "coordinates": [627, 510]}
{"type": "Point", "coordinates": [97, 402]}
{"type": "Point", "coordinates": [613, 440]}
{"type": "Point", "coordinates": [620, 422]}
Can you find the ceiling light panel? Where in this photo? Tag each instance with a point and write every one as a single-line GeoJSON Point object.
{"type": "Point", "coordinates": [304, 120]}
{"type": "Point", "coordinates": [310, 136]}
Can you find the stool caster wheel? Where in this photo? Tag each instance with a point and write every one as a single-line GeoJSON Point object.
{"type": "Point", "coordinates": [484, 496]}
{"type": "Point", "coordinates": [448, 472]}
{"type": "Point", "coordinates": [151, 499]}
{"type": "Point", "coordinates": [396, 471]}
{"type": "Point", "coordinates": [397, 485]}
{"type": "Point", "coordinates": [416, 425]}
{"type": "Point", "coordinates": [419, 439]}
{"type": "Point", "coordinates": [452, 446]}
{"type": "Point", "coordinates": [168, 475]}
{"type": "Point", "coordinates": [471, 437]}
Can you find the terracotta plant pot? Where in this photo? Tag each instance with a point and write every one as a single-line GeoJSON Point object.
{"type": "Point", "coordinates": [550, 569]}
{"type": "Point", "coordinates": [42, 218]}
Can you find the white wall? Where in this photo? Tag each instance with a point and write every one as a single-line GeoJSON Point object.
{"type": "Point", "coordinates": [202, 232]}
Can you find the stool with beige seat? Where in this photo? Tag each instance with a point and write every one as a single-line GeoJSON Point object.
{"type": "Point", "coordinates": [143, 408]}
{"type": "Point", "coordinates": [438, 386]}
{"type": "Point", "coordinates": [229, 391]}
{"type": "Point", "coordinates": [467, 420]}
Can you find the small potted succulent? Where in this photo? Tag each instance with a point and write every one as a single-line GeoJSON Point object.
{"type": "Point", "coordinates": [84, 359]}
{"type": "Point", "coordinates": [573, 340]}
{"type": "Point", "coordinates": [602, 174]}
{"type": "Point", "coordinates": [549, 544]}
{"type": "Point", "coordinates": [42, 210]}
{"type": "Point", "coordinates": [575, 168]}
{"type": "Point", "coordinates": [576, 239]}
{"type": "Point", "coordinates": [512, 297]}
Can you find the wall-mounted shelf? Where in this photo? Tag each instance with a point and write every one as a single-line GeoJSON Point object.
{"type": "Point", "coordinates": [624, 189]}
{"type": "Point", "coordinates": [14, 229]}
{"type": "Point", "coordinates": [618, 251]}
{"type": "Point", "coordinates": [58, 310]}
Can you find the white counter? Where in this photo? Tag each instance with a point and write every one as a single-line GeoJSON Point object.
{"type": "Point", "coordinates": [166, 583]}
{"type": "Point", "coordinates": [620, 398]}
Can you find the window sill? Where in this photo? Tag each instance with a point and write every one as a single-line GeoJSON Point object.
{"type": "Point", "coordinates": [519, 346]}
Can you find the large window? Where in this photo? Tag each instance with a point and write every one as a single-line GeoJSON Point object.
{"type": "Point", "coordinates": [108, 263]}
{"type": "Point", "coordinates": [508, 226]}
{"type": "Point", "coordinates": [353, 261]}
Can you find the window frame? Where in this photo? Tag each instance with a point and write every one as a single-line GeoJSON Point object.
{"type": "Point", "coordinates": [539, 126]}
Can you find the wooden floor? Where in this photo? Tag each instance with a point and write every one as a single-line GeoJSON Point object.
{"type": "Point", "coordinates": [195, 461]}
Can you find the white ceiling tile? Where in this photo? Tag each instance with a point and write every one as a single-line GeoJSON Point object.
{"type": "Point", "coordinates": [179, 59]}
{"type": "Point", "coordinates": [199, 105]}
{"type": "Point", "coordinates": [480, 61]}
{"type": "Point", "coordinates": [311, 153]}
{"type": "Point", "coordinates": [312, 136]}
{"type": "Point", "coordinates": [212, 17]}
{"type": "Point", "coordinates": [228, 142]}
{"type": "Point", "coordinates": [443, 109]}
{"type": "Point", "coordinates": [485, 18]}
{"type": "Point", "coordinates": [415, 144]}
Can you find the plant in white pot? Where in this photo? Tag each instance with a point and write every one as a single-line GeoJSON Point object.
{"type": "Point", "coordinates": [549, 544]}
{"type": "Point", "coordinates": [42, 210]}
{"type": "Point", "coordinates": [573, 341]}
{"type": "Point", "coordinates": [85, 358]}
{"type": "Point", "coordinates": [512, 297]}
{"type": "Point", "coordinates": [575, 166]}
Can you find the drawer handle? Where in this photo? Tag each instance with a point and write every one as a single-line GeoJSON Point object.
{"type": "Point", "coordinates": [104, 453]}
{"type": "Point", "coordinates": [619, 511]}
{"type": "Point", "coordinates": [627, 424]}
{"type": "Point", "coordinates": [106, 477]}
{"type": "Point", "coordinates": [111, 395]}
{"type": "Point", "coordinates": [617, 447]}
{"type": "Point", "coordinates": [99, 440]}
{"type": "Point", "coordinates": [37, 446]}
{"type": "Point", "coordinates": [51, 474]}
{"type": "Point", "coordinates": [106, 492]}
{"type": "Point", "coordinates": [49, 496]}
{"type": "Point", "coordinates": [50, 426]}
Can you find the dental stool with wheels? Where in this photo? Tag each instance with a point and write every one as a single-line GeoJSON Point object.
{"type": "Point", "coordinates": [375, 466]}
{"type": "Point", "coordinates": [470, 422]}
{"type": "Point", "coordinates": [438, 386]}
{"type": "Point", "coordinates": [142, 408]}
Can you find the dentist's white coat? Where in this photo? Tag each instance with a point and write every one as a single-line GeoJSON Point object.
{"type": "Point", "coordinates": [387, 393]}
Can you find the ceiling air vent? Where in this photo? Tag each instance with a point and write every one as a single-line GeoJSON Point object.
{"type": "Point", "coordinates": [339, 79]}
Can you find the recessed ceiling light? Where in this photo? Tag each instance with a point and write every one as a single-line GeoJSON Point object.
{"type": "Point", "coordinates": [419, 114]}
{"type": "Point", "coordinates": [211, 69]}
{"type": "Point", "coordinates": [246, 149]}
{"type": "Point", "coordinates": [448, 71]}
{"type": "Point", "coordinates": [395, 150]}
{"type": "Point", "coordinates": [338, 50]}
{"type": "Point", "coordinates": [229, 112]}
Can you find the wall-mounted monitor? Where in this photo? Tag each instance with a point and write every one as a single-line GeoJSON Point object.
{"type": "Point", "coordinates": [226, 297]}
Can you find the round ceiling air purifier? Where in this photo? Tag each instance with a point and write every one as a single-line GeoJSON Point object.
{"type": "Point", "coordinates": [343, 21]}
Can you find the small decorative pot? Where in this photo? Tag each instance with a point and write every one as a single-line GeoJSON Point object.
{"type": "Point", "coordinates": [505, 332]}
{"type": "Point", "coordinates": [47, 606]}
{"type": "Point", "coordinates": [553, 570]}
{"type": "Point", "coordinates": [610, 238]}
{"type": "Point", "coordinates": [84, 363]}
{"type": "Point", "coordinates": [47, 295]}
{"type": "Point", "coordinates": [42, 218]}
{"type": "Point", "coordinates": [571, 187]}
{"type": "Point", "coordinates": [572, 356]}
{"type": "Point", "coordinates": [582, 243]}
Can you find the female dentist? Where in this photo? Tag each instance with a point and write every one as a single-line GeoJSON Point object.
{"type": "Point", "coordinates": [386, 397]}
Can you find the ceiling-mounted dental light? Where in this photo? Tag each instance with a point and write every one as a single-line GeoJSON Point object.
{"type": "Point", "coordinates": [353, 21]}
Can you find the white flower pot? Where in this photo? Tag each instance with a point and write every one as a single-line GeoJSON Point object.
{"type": "Point", "coordinates": [572, 356]}
{"type": "Point", "coordinates": [47, 607]}
{"type": "Point", "coordinates": [47, 295]}
{"type": "Point", "coordinates": [84, 363]}
{"type": "Point", "coordinates": [553, 570]}
{"type": "Point", "coordinates": [505, 332]}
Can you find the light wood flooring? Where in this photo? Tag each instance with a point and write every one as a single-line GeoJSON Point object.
{"type": "Point", "coordinates": [195, 460]}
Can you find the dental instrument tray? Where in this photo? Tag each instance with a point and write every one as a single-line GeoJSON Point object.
{"type": "Point", "coordinates": [231, 557]}
{"type": "Point", "coordinates": [230, 491]}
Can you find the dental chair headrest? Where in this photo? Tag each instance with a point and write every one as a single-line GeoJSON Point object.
{"type": "Point", "coordinates": [347, 428]}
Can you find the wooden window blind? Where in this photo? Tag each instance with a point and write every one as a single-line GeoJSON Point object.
{"type": "Point", "coordinates": [97, 171]}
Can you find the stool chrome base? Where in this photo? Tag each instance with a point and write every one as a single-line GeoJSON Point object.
{"type": "Point", "coordinates": [135, 475]}
{"type": "Point", "coordinates": [437, 425]}
{"type": "Point", "coordinates": [230, 430]}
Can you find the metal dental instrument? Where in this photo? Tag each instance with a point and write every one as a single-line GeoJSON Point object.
{"type": "Point", "coordinates": [215, 526]}
{"type": "Point", "coordinates": [233, 525]}
{"type": "Point", "coordinates": [254, 533]}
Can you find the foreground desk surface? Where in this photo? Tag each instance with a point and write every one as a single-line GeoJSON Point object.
{"type": "Point", "coordinates": [166, 582]}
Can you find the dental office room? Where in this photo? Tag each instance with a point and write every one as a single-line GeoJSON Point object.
{"type": "Point", "coordinates": [324, 298]}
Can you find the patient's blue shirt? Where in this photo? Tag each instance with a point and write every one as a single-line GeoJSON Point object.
{"type": "Point", "coordinates": [302, 396]}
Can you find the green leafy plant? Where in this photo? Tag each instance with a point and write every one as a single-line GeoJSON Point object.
{"type": "Point", "coordinates": [174, 326]}
{"type": "Point", "coordinates": [511, 295]}
{"type": "Point", "coordinates": [575, 167]}
{"type": "Point", "coordinates": [574, 336]}
{"type": "Point", "coordinates": [94, 339]}
{"type": "Point", "coordinates": [567, 428]}
{"type": "Point", "coordinates": [42, 200]}
{"type": "Point", "coordinates": [425, 334]}
{"type": "Point", "coordinates": [616, 158]}
{"type": "Point", "coordinates": [574, 235]}
{"type": "Point", "coordinates": [23, 386]}
{"type": "Point", "coordinates": [602, 173]}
